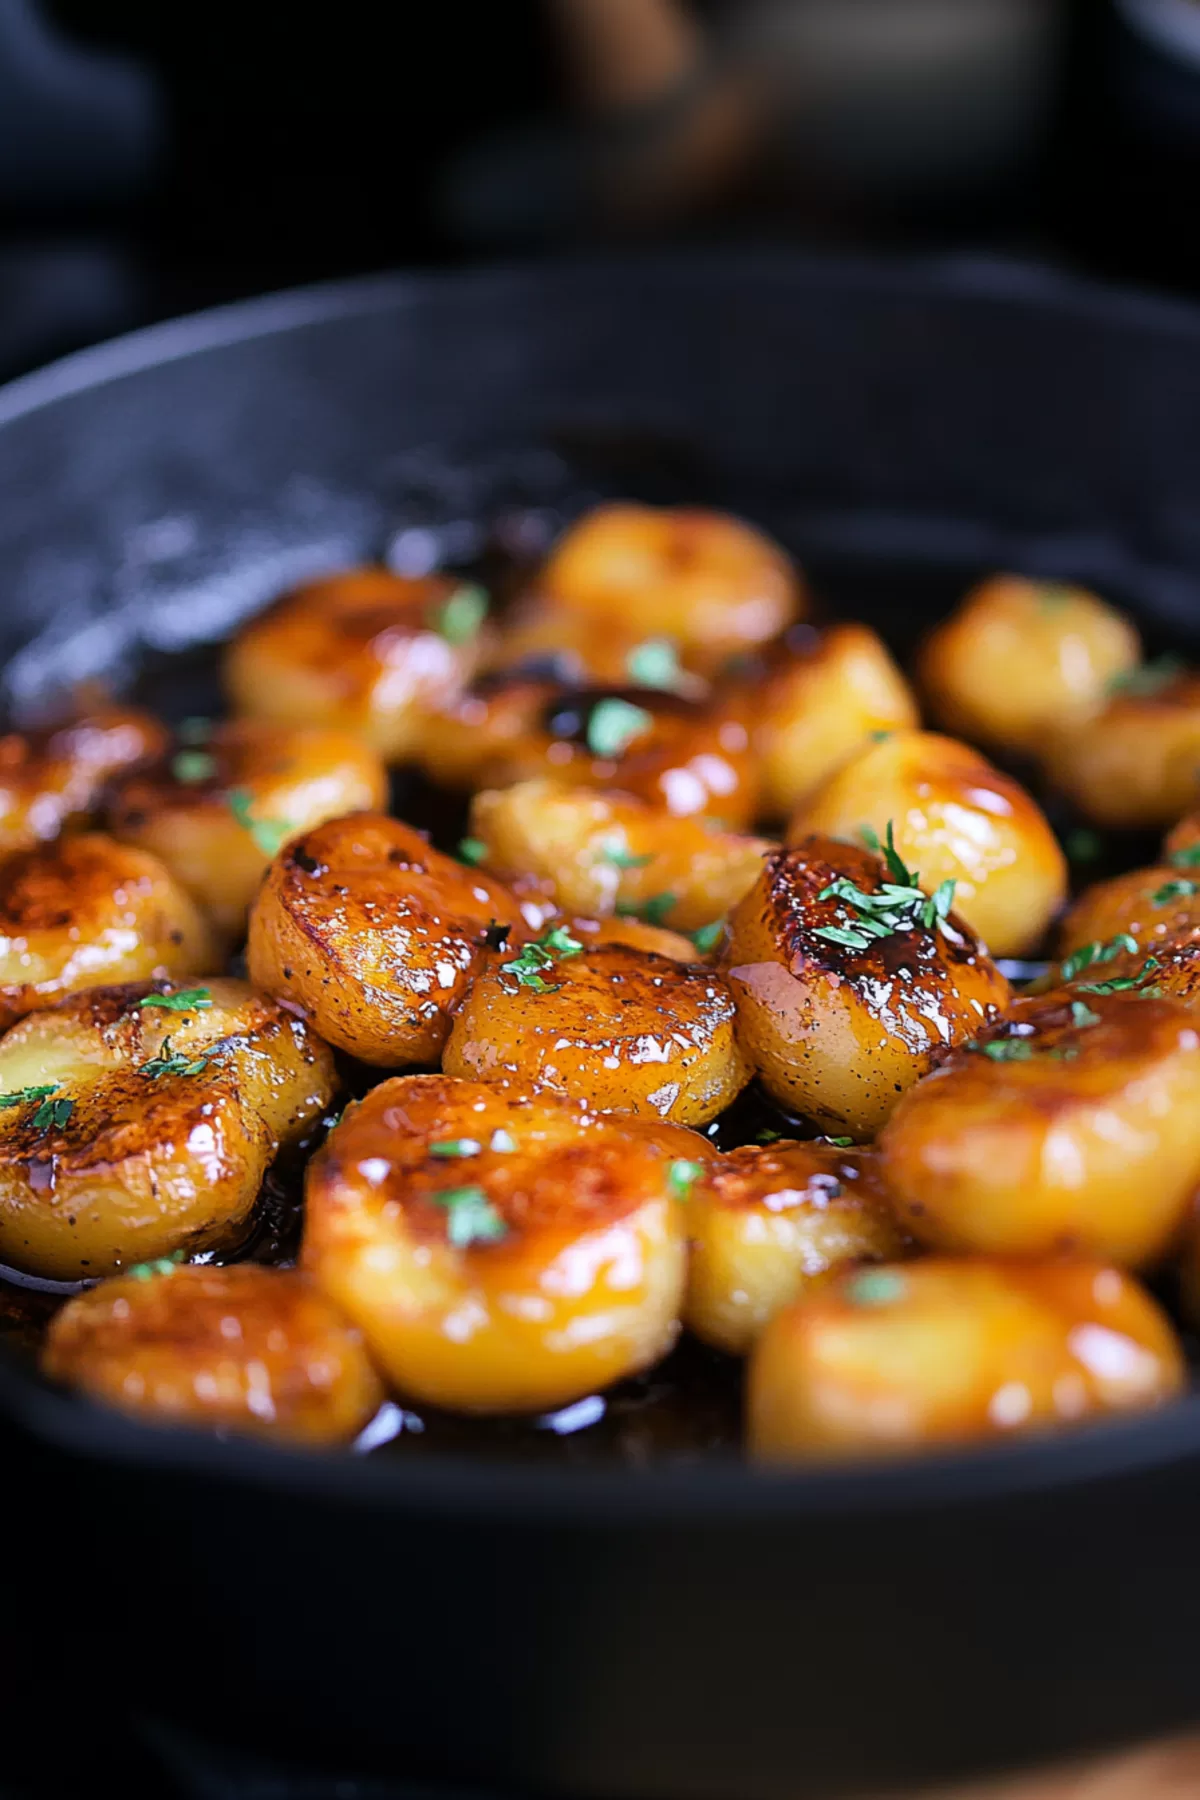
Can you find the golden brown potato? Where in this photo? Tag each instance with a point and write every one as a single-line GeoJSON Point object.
{"type": "Point", "coordinates": [1074, 1128]}
{"type": "Point", "coordinates": [137, 1121]}
{"type": "Point", "coordinates": [1119, 922]}
{"type": "Point", "coordinates": [558, 643]}
{"type": "Point", "coordinates": [636, 933]}
{"type": "Point", "coordinates": [710, 582]}
{"type": "Point", "coordinates": [596, 852]}
{"type": "Point", "coordinates": [502, 1251]}
{"type": "Point", "coordinates": [955, 818]}
{"type": "Point", "coordinates": [884, 1362]}
{"type": "Point", "coordinates": [837, 1018]}
{"type": "Point", "coordinates": [1137, 761]}
{"type": "Point", "coordinates": [691, 760]}
{"type": "Point", "coordinates": [769, 1222]}
{"type": "Point", "coordinates": [243, 1349]}
{"type": "Point", "coordinates": [820, 697]}
{"type": "Point", "coordinates": [622, 1029]}
{"type": "Point", "coordinates": [373, 935]}
{"type": "Point", "coordinates": [1021, 659]}
{"type": "Point", "coordinates": [1181, 846]}
{"type": "Point", "coordinates": [86, 911]}
{"type": "Point", "coordinates": [217, 813]}
{"type": "Point", "coordinates": [51, 779]}
{"type": "Point", "coordinates": [365, 651]}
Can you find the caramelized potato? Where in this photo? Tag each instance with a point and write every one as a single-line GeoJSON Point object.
{"type": "Point", "coordinates": [1181, 846]}
{"type": "Point", "coordinates": [622, 1029]}
{"type": "Point", "coordinates": [710, 582]}
{"type": "Point", "coordinates": [373, 935]}
{"type": "Point", "coordinates": [216, 815]}
{"type": "Point", "coordinates": [679, 757]}
{"type": "Point", "coordinates": [1137, 761]}
{"type": "Point", "coordinates": [85, 911]}
{"type": "Point", "coordinates": [594, 852]}
{"type": "Point", "coordinates": [1075, 1128]}
{"type": "Point", "coordinates": [825, 695]}
{"type": "Point", "coordinates": [769, 1222]}
{"type": "Point", "coordinates": [955, 818]}
{"type": "Point", "coordinates": [51, 779]}
{"type": "Point", "coordinates": [138, 1121]}
{"type": "Point", "coordinates": [502, 1252]}
{"type": "Point", "coordinates": [1152, 906]}
{"type": "Point", "coordinates": [635, 933]}
{"type": "Point", "coordinates": [1021, 659]}
{"type": "Point", "coordinates": [884, 1362]}
{"type": "Point", "coordinates": [838, 1026]}
{"type": "Point", "coordinates": [365, 652]}
{"type": "Point", "coordinates": [557, 643]}
{"type": "Point", "coordinates": [238, 1349]}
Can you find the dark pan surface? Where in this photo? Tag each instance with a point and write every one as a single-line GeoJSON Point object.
{"type": "Point", "coordinates": [677, 1632]}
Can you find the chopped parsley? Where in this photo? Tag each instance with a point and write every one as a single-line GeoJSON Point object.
{"type": "Point", "coordinates": [193, 766]}
{"type": "Point", "coordinates": [186, 1000]}
{"type": "Point", "coordinates": [528, 967]}
{"type": "Point", "coordinates": [459, 617]}
{"type": "Point", "coordinates": [899, 904]}
{"type": "Point", "coordinates": [269, 834]}
{"type": "Point", "coordinates": [682, 1175]}
{"type": "Point", "coordinates": [768, 1136]}
{"type": "Point", "coordinates": [613, 725]}
{"type": "Point", "coordinates": [708, 936]}
{"type": "Point", "coordinates": [654, 664]}
{"type": "Point", "coordinates": [1149, 678]}
{"type": "Point", "coordinates": [1181, 889]}
{"type": "Point", "coordinates": [1188, 858]}
{"type": "Point", "coordinates": [875, 1287]}
{"type": "Point", "coordinates": [456, 1147]}
{"type": "Point", "coordinates": [52, 1113]}
{"type": "Point", "coordinates": [472, 850]}
{"type": "Point", "coordinates": [1004, 1049]}
{"type": "Point", "coordinates": [1082, 1014]}
{"type": "Point", "coordinates": [20, 1096]}
{"type": "Point", "coordinates": [1097, 952]}
{"type": "Point", "coordinates": [840, 1143]}
{"type": "Point", "coordinates": [472, 1219]}
{"type": "Point", "coordinates": [173, 1062]}
{"type": "Point", "coordinates": [616, 854]}
{"type": "Point", "coordinates": [162, 1265]}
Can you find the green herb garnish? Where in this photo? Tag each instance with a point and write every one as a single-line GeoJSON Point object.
{"type": "Point", "coordinates": [1004, 1049]}
{"type": "Point", "coordinates": [840, 1143]}
{"type": "Point", "coordinates": [1188, 858]}
{"type": "Point", "coordinates": [1082, 1014]}
{"type": "Point", "coordinates": [269, 834]}
{"type": "Point", "coordinates": [172, 1062]}
{"type": "Point", "coordinates": [654, 664]}
{"type": "Point", "coordinates": [162, 1265]}
{"type": "Point", "coordinates": [613, 725]}
{"type": "Point", "coordinates": [875, 1287]}
{"type": "Point", "coordinates": [1097, 952]}
{"type": "Point", "coordinates": [899, 904]}
{"type": "Point", "coordinates": [682, 1175]}
{"type": "Point", "coordinates": [193, 766]}
{"type": "Point", "coordinates": [1174, 890]}
{"type": "Point", "coordinates": [52, 1113]}
{"type": "Point", "coordinates": [528, 966]}
{"type": "Point", "coordinates": [708, 936]}
{"type": "Point", "coordinates": [472, 850]}
{"type": "Point", "coordinates": [19, 1096]}
{"type": "Point", "coordinates": [1148, 678]}
{"type": "Point", "coordinates": [472, 1217]}
{"type": "Point", "coordinates": [768, 1136]}
{"type": "Point", "coordinates": [186, 1000]}
{"type": "Point", "coordinates": [619, 857]}
{"type": "Point", "coordinates": [455, 1147]}
{"type": "Point", "coordinates": [459, 617]}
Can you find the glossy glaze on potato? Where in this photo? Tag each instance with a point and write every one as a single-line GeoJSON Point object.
{"type": "Point", "coordinates": [217, 812]}
{"type": "Point", "coordinates": [374, 936]}
{"type": "Point", "coordinates": [560, 1273]}
{"type": "Point", "coordinates": [149, 1159]}
{"type": "Point", "coordinates": [636, 934]}
{"type": "Point", "coordinates": [955, 818]}
{"type": "Point", "coordinates": [595, 852]}
{"type": "Point", "coordinates": [1084, 1141]}
{"type": "Point", "coordinates": [84, 911]}
{"type": "Point", "coordinates": [363, 651]}
{"type": "Point", "coordinates": [888, 1361]}
{"type": "Point", "coordinates": [245, 1349]}
{"type": "Point", "coordinates": [836, 1033]}
{"type": "Point", "coordinates": [1152, 906]}
{"type": "Point", "coordinates": [54, 778]}
{"type": "Point", "coordinates": [579, 649]}
{"type": "Point", "coordinates": [769, 1222]}
{"type": "Point", "coordinates": [620, 1028]}
{"type": "Point", "coordinates": [1136, 762]}
{"type": "Point", "coordinates": [1021, 659]}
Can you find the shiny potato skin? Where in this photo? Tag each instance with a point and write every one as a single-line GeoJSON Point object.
{"type": "Point", "coordinates": [1136, 762]}
{"type": "Point", "coordinates": [286, 778]}
{"type": "Point", "coordinates": [51, 779]}
{"type": "Point", "coordinates": [1020, 659]}
{"type": "Point", "coordinates": [1090, 1146]}
{"type": "Point", "coordinates": [147, 1165]}
{"type": "Point", "coordinates": [635, 933]}
{"type": "Point", "coordinates": [769, 1222]}
{"type": "Point", "coordinates": [955, 818]}
{"type": "Point", "coordinates": [595, 851]}
{"type": "Point", "coordinates": [946, 1350]}
{"type": "Point", "coordinates": [838, 1034]}
{"type": "Point", "coordinates": [1153, 906]}
{"type": "Point", "coordinates": [85, 911]}
{"type": "Point", "coordinates": [358, 652]}
{"type": "Point", "coordinates": [577, 649]}
{"type": "Point", "coordinates": [1182, 839]}
{"type": "Point", "coordinates": [714, 584]}
{"type": "Point", "coordinates": [373, 936]}
{"type": "Point", "coordinates": [582, 1288]}
{"type": "Point", "coordinates": [824, 696]}
{"type": "Point", "coordinates": [625, 1031]}
{"type": "Point", "coordinates": [245, 1349]}
{"type": "Point", "coordinates": [689, 760]}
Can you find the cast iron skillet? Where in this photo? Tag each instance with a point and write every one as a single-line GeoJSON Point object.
{"type": "Point", "coordinates": [706, 1633]}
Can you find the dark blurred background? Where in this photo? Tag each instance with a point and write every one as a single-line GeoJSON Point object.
{"type": "Point", "coordinates": [156, 159]}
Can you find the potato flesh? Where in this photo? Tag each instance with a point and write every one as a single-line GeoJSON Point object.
{"type": "Point", "coordinates": [246, 1349]}
{"type": "Point", "coordinates": [583, 1287]}
{"type": "Point", "coordinates": [1135, 763]}
{"type": "Point", "coordinates": [888, 1361]}
{"type": "Point", "coordinates": [147, 1165]}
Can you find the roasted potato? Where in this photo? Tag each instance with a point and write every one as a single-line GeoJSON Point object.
{"type": "Point", "coordinates": [886, 1361]}
{"type": "Point", "coordinates": [364, 651]}
{"type": "Point", "coordinates": [85, 911]}
{"type": "Point", "coordinates": [622, 1029]}
{"type": "Point", "coordinates": [1022, 659]}
{"type": "Point", "coordinates": [1136, 762]}
{"type": "Point", "coordinates": [374, 936]}
{"type": "Point", "coordinates": [1120, 921]}
{"type": "Point", "coordinates": [138, 1121]}
{"type": "Point", "coordinates": [769, 1222]}
{"type": "Point", "coordinates": [558, 643]}
{"type": "Point", "coordinates": [636, 933]}
{"type": "Point", "coordinates": [216, 813]}
{"type": "Point", "coordinates": [713, 584]}
{"type": "Point", "coordinates": [501, 1251]}
{"type": "Point", "coordinates": [51, 779]}
{"type": "Point", "coordinates": [1181, 847]}
{"type": "Point", "coordinates": [839, 1019]}
{"type": "Point", "coordinates": [245, 1349]}
{"type": "Point", "coordinates": [955, 818]}
{"type": "Point", "coordinates": [596, 852]}
{"type": "Point", "coordinates": [1074, 1128]}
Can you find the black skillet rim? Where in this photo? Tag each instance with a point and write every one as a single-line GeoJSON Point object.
{"type": "Point", "coordinates": [461, 1485]}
